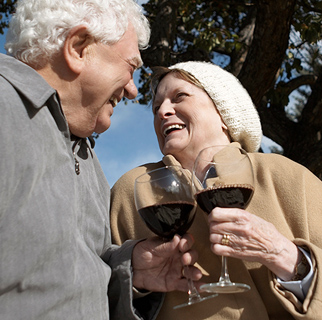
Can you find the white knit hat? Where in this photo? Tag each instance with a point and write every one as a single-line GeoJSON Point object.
{"type": "Point", "coordinates": [231, 99]}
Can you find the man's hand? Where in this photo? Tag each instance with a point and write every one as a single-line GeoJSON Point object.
{"type": "Point", "coordinates": [157, 265]}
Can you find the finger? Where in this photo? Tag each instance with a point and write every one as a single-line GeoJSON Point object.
{"type": "Point", "coordinates": [222, 244]}
{"type": "Point", "coordinates": [221, 239]}
{"type": "Point", "coordinates": [226, 215]}
{"type": "Point", "coordinates": [189, 258]}
{"type": "Point", "coordinates": [173, 244]}
{"type": "Point", "coordinates": [192, 272]}
{"type": "Point", "coordinates": [241, 228]}
{"type": "Point", "coordinates": [186, 242]}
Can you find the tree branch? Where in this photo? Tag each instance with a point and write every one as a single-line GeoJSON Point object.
{"type": "Point", "coordinates": [268, 47]}
{"type": "Point", "coordinates": [295, 83]}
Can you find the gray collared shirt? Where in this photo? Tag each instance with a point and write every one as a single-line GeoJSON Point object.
{"type": "Point", "coordinates": [54, 224]}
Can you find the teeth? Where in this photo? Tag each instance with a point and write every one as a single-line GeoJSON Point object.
{"type": "Point", "coordinates": [113, 100]}
{"type": "Point", "coordinates": [174, 126]}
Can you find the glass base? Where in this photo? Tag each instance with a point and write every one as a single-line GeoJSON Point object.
{"type": "Point", "coordinates": [194, 301]}
{"type": "Point", "coordinates": [225, 287]}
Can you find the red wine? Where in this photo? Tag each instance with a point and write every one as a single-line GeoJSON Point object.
{"type": "Point", "coordinates": [168, 219]}
{"type": "Point", "coordinates": [227, 196]}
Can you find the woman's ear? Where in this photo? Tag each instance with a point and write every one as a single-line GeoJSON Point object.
{"type": "Point", "coordinates": [224, 126]}
{"type": "Point", "coordinates": [75, 48]}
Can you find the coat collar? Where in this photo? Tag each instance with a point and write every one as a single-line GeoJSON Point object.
{"type": "Point", "coordinates": [36, 91]}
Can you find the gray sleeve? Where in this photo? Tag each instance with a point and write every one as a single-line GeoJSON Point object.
{"type": "Point", "coordinates": [120, 290]}
{"type": "Point", "coordinates": [300, 287]}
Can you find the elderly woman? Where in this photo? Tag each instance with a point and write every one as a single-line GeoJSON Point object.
{"type": "Point", "coordinates": [274, 245]}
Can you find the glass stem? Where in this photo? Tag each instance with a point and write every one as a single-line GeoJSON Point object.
{"type": "Point", "coordinates": [224, 276]}
{"type": "Point", "coordinates": [192, 290]}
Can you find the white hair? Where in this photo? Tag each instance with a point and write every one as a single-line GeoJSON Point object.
{"type": "Point", "coordinates": [39, 28]}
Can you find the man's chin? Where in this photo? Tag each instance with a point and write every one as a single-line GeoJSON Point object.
{"type": "Point", "coordinates": [102, 127]}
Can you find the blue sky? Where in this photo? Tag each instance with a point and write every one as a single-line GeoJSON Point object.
{"type": "Point", "coordinates": [129, 142]}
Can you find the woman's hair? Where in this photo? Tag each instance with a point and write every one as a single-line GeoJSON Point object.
{"type": "Point", "coordinates": [38, 28]}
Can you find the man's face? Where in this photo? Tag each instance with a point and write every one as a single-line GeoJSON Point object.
{"type": "Point", "coordinates": [106, 78]}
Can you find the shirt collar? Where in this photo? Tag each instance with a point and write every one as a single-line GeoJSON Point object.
{"type": "Point", "coordinates": [36, 91]}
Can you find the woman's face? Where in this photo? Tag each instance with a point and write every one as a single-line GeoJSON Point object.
{"type": "Point", "coordinates": [186, 120]}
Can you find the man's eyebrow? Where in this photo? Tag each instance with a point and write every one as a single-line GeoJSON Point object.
{"type": "Point", "coordinates": [136, 61]}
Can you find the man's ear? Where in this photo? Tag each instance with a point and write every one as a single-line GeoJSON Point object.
{"type": "Point", "coordinates": [76, 46]}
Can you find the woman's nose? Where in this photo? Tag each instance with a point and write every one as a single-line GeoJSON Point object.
{"type": "Point", "coordinates": [165, 110]}
{"type": "Point", "coordinates": [130, 90]}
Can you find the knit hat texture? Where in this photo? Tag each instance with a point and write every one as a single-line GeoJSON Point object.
{"type": "Point", "coordinates": [232, 101]}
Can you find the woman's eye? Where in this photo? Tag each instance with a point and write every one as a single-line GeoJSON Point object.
{"type": "Point", "coordinates": [155, 109]}
{"type": "Point", "coordinates": [180, 95]}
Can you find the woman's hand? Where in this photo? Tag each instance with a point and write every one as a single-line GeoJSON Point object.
{"type": "Point", "coordinates": [157, 265]}
{"type": "Point", "coordinates": [252, 239]}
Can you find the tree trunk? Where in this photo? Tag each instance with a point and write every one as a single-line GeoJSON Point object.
{"type": "Point", "coordinates": [270, 41]}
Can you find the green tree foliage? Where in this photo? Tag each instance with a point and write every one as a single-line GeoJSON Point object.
{"type": "Point", "coordinates": [6, 8]}
{"type": "Point", "coordinates": [271, 46]}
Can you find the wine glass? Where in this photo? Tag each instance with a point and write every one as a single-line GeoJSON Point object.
{"type": "Point", "coordinates": [165, 202]}
{"type": "Point", "coordinates": [223, 177]}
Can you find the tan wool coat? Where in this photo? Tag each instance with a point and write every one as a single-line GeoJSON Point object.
{"type": "Point", "coordinates": [287, 195]}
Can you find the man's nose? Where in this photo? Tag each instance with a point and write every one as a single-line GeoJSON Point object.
{"type": "Point", "coordinates": [130, 90]}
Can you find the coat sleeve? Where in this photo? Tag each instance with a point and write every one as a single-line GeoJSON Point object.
{"type": "Point", "coordinates": [300, 195]}
{"type": "Point", "coordinates": [120, 290]}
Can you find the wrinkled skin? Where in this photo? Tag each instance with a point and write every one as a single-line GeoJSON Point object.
{"type": "Point", "coordinates": [157, 265]}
